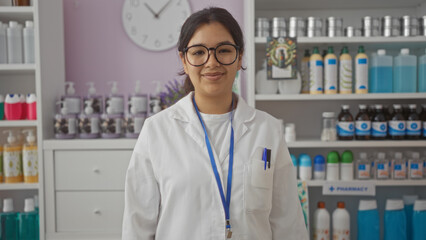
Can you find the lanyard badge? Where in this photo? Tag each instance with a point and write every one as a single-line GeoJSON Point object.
{"type": "Point", "coordinates": [225, 201]}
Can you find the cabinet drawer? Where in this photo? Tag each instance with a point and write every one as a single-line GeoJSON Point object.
{"type": "Point", "coordinates": [89, 212]}
{"type": "Point", "coordinates": [91, 170]}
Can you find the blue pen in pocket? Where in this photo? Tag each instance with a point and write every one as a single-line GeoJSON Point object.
{"type": "Point", "coordinates": [264, 157]}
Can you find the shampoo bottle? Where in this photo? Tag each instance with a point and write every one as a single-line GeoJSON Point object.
{"type": "Point", "coordinates": [330, 72]}
{"type": "Point", "coordinates": [12, 159]}
{"type": "Point", "coordinates": [9, 228]}
{"type": "Point", "coordinates": [316, 66]}
{"type": "Point", "coordinates": [30, 157]}
{"type": "Point", "coordinates": [361, 71]}
{"type": "Point", "coordinates": [345, 69]}
{"type": "Point", "coordinates": [28, 221]}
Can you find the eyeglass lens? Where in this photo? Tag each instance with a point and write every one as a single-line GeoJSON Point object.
{"type": "Point", "coordinates": [199, 55]}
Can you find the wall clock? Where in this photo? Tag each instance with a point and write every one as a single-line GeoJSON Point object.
{"type": "Point", "coordinates": [154, 24]}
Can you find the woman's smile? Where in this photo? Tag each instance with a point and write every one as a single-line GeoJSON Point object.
{"type": "Point", "coordinates": [212, 76]}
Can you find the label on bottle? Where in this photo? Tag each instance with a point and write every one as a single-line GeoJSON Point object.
{"type": "Point", "coordinates": [94, 123]}
{"type": "Point", "coordinates": [382, 170]}
{"type": "Point", "coordinates": [416, 170]}
{"type": "Point", "coordinates": [315, 74]}
{"type": "Point", "coordinates": [341, 234]}
{"type": "Point", "coordinates": [73, 105]}
{"type": "Point", "coordinates": [424, 129]}
{"type": "Point", "coordinates": [321, 234]}
{"type": "Point", "coordinates": [413, 128]}
{"type": "Point", "coordinates": [399, 171]}
{"type": "Point", "coordinates": [363, 171]}
{"type": "Point", "coordinates": [397, 128]}
{"type": "Point", "coordinates": [345, 129]}
{"type": "Point", "coordinates": [345, 80]}
{"type": "Point", "coordinates": [30, 163]}
{"type": "Point", "coordinates": [330, 76]}
{"type": "Point", "coordinates": [362, 128]}
{"type": "Point", "coordinates": [13, 165]}
{"type": "Point", "coordinates": [379, 129]}
{"type": "Point", "coordinates": [361, 75]}
{"type": "Point", "coordinates": [72, 125]}
{"type": "Point", "coordinates": [305, 76]}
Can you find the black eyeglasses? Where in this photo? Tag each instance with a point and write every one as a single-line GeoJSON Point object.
{"type": "Point", "coordinates": [198, 55]}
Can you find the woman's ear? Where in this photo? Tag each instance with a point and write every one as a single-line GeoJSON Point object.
{"type": "Point", "coordinates": [182, 58]}
{"type": "Point", "coordinates": [240, 61]}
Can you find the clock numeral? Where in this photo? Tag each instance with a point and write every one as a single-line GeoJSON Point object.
{"type": "Point", "coordinates": [134, 30]}
{"type": "Point", "coordinates": [129, 16]}
{"type": "Point", "coordinates": [171, 38]}
{"type": "Point", "coordinates": [144, 38]}
{"type": "Point", "coordinates": [134, 3]}
{"type": "Point", "coordinates": [157, 43]}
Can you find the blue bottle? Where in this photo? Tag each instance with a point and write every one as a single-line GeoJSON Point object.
{"type": "Point", "coordinates": [395, 220]}
{"type": "Point", "coordinates": [405, 72]}
{"type": "Point", "coordinates": [28, 222]}
{"type": "Point", "coordinates": [408, 208]}
{"type": "Point", "coordinates": [319, 167]}
{"type": "Point", "coordinates": [422, 73]}
{"type": "Point", "coordinates": [368, 220]}
{"type": "Point", "coordinates": [419, 220]}
{"type": "Point", "coordinates": [9, 229]}
{"type": "Point", "coordinates": [381, 73]}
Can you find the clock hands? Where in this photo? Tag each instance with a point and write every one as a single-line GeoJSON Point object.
{"type": "Point", "coordinates": [157, 15]}
{"type": "Point", "coordinates": [164, 7]}
{"type": "Point", "coordinates": [150, 9]}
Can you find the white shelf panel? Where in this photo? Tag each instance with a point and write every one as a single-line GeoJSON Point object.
{"type": "Point", "coordinates": [17, 68]}
{"type": "Point", "coordinates": [355, 144]}
{"type": "Point", "coordinates": [19, 186]}
{"type": "Point", "coordinates": [333, 97]}
{"type": "Point", "coordinates": [16, 13]}
{"type": "Point", "coordinates": [383, 183]}
{"type": "Point", "coordinates": [89, 144]}
{"type": "Point", "coordinates": [18, 123]}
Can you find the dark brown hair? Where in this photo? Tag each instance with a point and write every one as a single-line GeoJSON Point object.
{"type": "Point", "coordinates": [205, 16]}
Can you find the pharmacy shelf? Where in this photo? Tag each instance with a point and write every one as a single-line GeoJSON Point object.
{"type": "Point", "coordinates": [306, 5]}
{"type": "Point", "coordinates": [16, 13]}
{"type": "Point", "coordinates": [18, 123]}
{"type": "Point", "coordinates": [334, 97]}
{"type": "Point", "coordinates": [17, 68]}
{"type": "Point", "coordinates": [357, 144]}
{"type": "Point", "coordinates": [89, 144]}
{"type": "Point", "coordinates": [381, 183]}
{"type": "Point", "coordinates": [19, 186]}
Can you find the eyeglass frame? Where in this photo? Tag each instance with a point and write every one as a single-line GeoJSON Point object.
{"type": "Point", "coordinates": [185, 51]}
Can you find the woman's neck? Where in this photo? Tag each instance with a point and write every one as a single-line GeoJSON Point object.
{"type": "Point", "coordinates": [214, 105]}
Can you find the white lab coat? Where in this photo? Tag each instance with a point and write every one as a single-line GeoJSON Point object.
{"type": "Point", "coordinates": [171, 191]}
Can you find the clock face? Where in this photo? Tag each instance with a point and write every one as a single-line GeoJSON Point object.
{"type": "Point", "coordinates": [155, 24]}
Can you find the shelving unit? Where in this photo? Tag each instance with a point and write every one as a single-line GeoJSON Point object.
{"type": "Point", "coordinates": [19, 186]}
{"type": "Point", "coordinates": [305, 110]}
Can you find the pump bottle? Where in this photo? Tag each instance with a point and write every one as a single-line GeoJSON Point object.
{"type": "Point", "coordinates": [114, 103]}
{"type": "Point", "coordinates": [65, 124]}
{"type": "Point", "coordinates": [73, 101]}
{"type": "Point", "coordinates": [30, 157]}
{"type": "Point", "coordinates": [155, 101]}
{"type": "Point", "coordinates": [12, 159]}
{"type": "Point", "coordinates": [96, 100]}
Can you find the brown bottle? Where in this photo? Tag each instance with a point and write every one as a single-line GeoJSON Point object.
{"type": "Point", "coordinates": [423, 119]}
{"type": "Point", "coordinates": [414, 124]}
{"type": "Point", "coordinates": [362, 124]}
{"type": "Point", "coordinates": [345, 124]}
{"type": "Point", "coordinates": [21, 2]}
{"type": "Point", "coordinates": [397, 124]}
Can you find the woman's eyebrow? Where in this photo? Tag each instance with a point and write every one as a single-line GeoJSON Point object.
{"type": "Point", "coordinates": [223, 42]}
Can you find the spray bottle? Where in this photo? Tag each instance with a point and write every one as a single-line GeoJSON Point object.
{"type": "Point", "coordinates": [9, 221]}
{"type": "Point", "coordinates": [114, 103]}
{"type": "Point", "coordinates": [30, 157]}
{"type": "Point", "coordinates": [71, 99]}
{"type": "Point", "coordinates": [28, 221]}
{"type": "Point", "coordinates": [136, 112]}
{"type": "Point", "coordinates": [12, 159]}
{"type": "Point", "coordinates": [65, 124]}
{"type": "Point", "coordinates": [96, 100]}
{"type": "Point", "coordinates": [154, 100]}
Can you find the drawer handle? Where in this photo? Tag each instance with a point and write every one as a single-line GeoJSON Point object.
{"type": "Point", "coordinates": [97, 211]}
{"type": "Point", "coordinates": [96, 170]}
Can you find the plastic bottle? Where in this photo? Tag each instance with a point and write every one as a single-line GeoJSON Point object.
{"type": "Point", "coordinates": [23, 101]}
{"type": "Point", "coordinates": [414, 124]}
{"type": "Point", "coordinates": [13, 107]}
{"type": "Point", "coordinates": [399, 169]}
{"type": "Point", "coordinates": [363, 168]}
{"type": "Point", "coordinates": [397, 124]}
{"type": "Point", "coordinates": [1, 107]}
{"type": "Point", "coordinates": [30, 158]}
{"type": "Point", "coordinates": [12, 159]}
{"type": "Point", "coordinates": [345, 124]}
{"type": "Point", "coordinates": [347, 166]}
{"type": "Point", "coordinates": [361, 71]}
{"type": "Point", "coordinates": [368, 220]}
{"type": "Point", "coordinates": [381, 73]}
{"type": "Point", "coordinates": [415, 166]}
{"type": "Point", "coordinates": [138, 102]}
{"type": "Point", "coordinates": [321, 223]}
{"type": "Point", "coordinates": [329, 132]}
{"type": "Point", "coordinates": [423, 119]}
{"type": "Point", "coordinates": [333, 166]}
{"type": "Point", "coordinates": [95, 100]}
{"type": "Point", "coordinates": [31, 106]}
{"type": "Point", "coordinates": [379, 124]}
{"type": "Point", "coordinates": [89, 122]}
{"type": "Point", "coordinates": [422, 73]}
{"type": "Point", "coordinates": [263, 85]}
{"type": "Point", "coordinates": [65, 124]}
{"type": "Point", "coordinates": [28, 221]}
{"type": "Point", "coordinates": [305, 71]}
{"type": "Point", "coordinates": [341, 223]}
{"type": "Point", "coordinates": [28, 36]}
{"type": "Point", "coordinates": [9, 228]}
{"type": "Point", "coordinates": [405, 72]}
{"type": "Point", "coordinates": [409, 201]}
{"type": "Point", "coordinates": [154, 100]}
{"type": "Point", "coordinates": [345, 69]}
{"type": "Point", "coordinates": [362, 124]}
{"type": "Point", "coordinates": [3, 43]}
{"type": "Point", "coordinates": [395, 220]}
{"type": "Point", "coordinates": [14, 43]}
{"type": "Point", "coordinates": [305, 167]}
{"type": "Point", "coordinates": [290, 132]}
{"type": "Point", "coordinates": [419, 220]}
{"type": "Point", "coordinates": [319, 167]}
{"type": "Point", "coordinates": [382, 166]}
{"type": "Point", "coordinates": [316, 72]}
{"type": "Point", "coordinates": [71, 99]}
{"type": "Point", "coordinates": [330, 72]}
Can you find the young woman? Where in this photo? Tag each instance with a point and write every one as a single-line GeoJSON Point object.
{"type": "Point", "coordinates": [210, 166]}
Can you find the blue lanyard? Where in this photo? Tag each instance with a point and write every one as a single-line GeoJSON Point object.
{"type": "Point", "coordinates": [225, 202]}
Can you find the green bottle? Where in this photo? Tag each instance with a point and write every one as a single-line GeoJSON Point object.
{"type": "Point", "coordinates": [333, 166]}
{"type": "Point", "coordinates": [1, 107]}
{"type": "Point", "coordinates": [9, 229]}
{"type": "Point", "coordinates": [28, 222]}
{"type": "Point", "coordinates": [347, 166]}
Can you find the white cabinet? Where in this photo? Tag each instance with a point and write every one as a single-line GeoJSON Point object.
{"type": "Point", "coordinates": [41, 78]}
{"type": "Point", "coordinates": [305, 110]}
{"type": "Point", "coordinates": [84, 182]}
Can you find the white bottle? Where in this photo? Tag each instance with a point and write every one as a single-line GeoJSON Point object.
{"type": "Point", "coordinates": [28, 34]}
{"type": "Point", "coordinates": [415, 165]}
{"type": "Point", "coordinates": [290, 132]}
{"type": "Point", "coordinates": [14, 43]}
{"type": "Point", "coordinates": [305, 167]}
{"type": "Point", "coordinates": [382, 166]}
{"type": "Point", "coordinates": [341, 223]}
{"type": "Point", "coordinates": [3, 43]}
{"type": "Point", "coordinates": [363, 167]}
{"type": "Point", "coordinates": [399, 170]}
{"type": "Point", "coordinates": [321, 223]}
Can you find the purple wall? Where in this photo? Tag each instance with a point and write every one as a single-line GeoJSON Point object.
{"type": "Point", "coordinates": [97, 48]}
